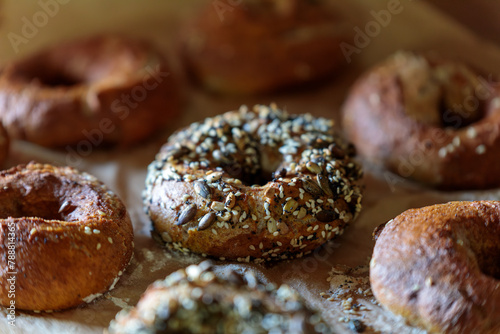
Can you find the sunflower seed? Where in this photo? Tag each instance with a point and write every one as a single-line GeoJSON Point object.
{"type": "Point", "coordinates": [203, 190]}
{"type": "Point", "coordinates": [325, 216]}
{"type": "Point", "coordinates": [313, 168]}
{"type": "Point", "coordinates": [311, 187]}
{"type": "Point", "coordinates": [187, 214]}
{"type": "Point", "coordinates": [324, 184]}
{"type": "Point", "coordinates": [64, 207]}
{"type": "Point", "coordinates": [206, 221]}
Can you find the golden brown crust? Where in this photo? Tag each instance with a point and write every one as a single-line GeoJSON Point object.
{"type": "Point", "coordinates": [416, 116]}
{"type": "Point", "coordinates": [4, 145]}
{"type": "Point", "coordinates": [262, 46]}
{"type": "Point", "coordinates": [195, 300]}
{"type": "Point", "coordinates": [72, 237]}
{"type": "Point", "coordinates": [105, 89]}
{"type": "Point", "coordinates": [200, 197]}
{"type": "Point", "coordinates": [438, 266]}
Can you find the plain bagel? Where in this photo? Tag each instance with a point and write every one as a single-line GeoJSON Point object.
{"type": "Point", "coordinates": [65, 235]}
{"type": "Point", "coordinates": [433, 120]}
{"type": "Point", "coordinates": [263, 46]}
{"type": "Point", "coordinates": [439, 267]}
{"type": "Point", "coordinates": [106, 89]}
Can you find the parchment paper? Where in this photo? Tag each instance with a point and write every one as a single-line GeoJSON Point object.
{"type": "Point", "coordinates": [417, 27]}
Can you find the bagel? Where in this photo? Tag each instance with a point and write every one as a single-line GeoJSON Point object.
{"type": "Point", "coordinates": [195, 300]}
{"type": "Point", "coordinates": [4, 145]}
{"type": "Point", "coordinates": [438, 267]}
{"type": "Point", "coordinates": [262, 46]}
{"type": "Point", "coordinates": [65, 238]}
{"type": "Point", "coordinates": [104, 90]}
{"type": "Point", "coordinates": [429, 119]}
{"type": "Point", "coordinates": [254, 184]}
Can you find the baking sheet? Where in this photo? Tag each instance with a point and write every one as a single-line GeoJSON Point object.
{"type": "Point", "coordinates": [417, 26]}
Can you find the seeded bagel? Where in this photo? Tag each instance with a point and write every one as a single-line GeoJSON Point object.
{"type": "Point", "coordinates": [65, 238]}
{"type": "Point", "coordinates": [253, 185]}
{"type": "Point", "coordinates": [196, 301]}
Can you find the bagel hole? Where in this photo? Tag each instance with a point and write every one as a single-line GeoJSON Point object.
{"type": "Point", "coordinates": [489, 261]}
{"type": "Point", "coordinates": [47, 75]}
{"type": "Point", "coordinates": [460, 115]}
{"type": "Point", "coordinates": [260, 178]}
{"type": "Point", "coordinates": [43, 198]}
{"type": "Point", "coordinates": [48, 210]}
{"type": "Point", "coordinates": [54, 79]}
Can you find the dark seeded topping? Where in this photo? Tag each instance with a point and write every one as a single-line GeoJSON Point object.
{"type": "Point", "coordinates": [196, 300]}
{"type": "Point", "coordinates": [302, 161]}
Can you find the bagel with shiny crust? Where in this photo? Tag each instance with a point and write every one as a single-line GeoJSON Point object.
{"type": "Point", "coordinates": [438, 266]}
{"type": "Point", "coordinates": [432, 120]}
{"type": "Point", "coordinates": [64, 235]}
{"type": "Point", "coordinates": [263, 46]}
{"type": "Point", "coordinates": [106, 90]}
{"type": "Point", "coordinates": [195, 300]}
{"type": "Point", "coordinates": [254, 184]}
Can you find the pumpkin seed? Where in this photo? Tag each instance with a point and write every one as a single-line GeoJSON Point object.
{"type": "Point", "coordinates": [313, 168]}
{"type": "Point", "coordinates": [302, 213]}
{"type": "Point", "coordinates": [290, 206]}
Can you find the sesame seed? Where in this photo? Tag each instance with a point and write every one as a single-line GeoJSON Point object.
{"type": "Point", "coordinates": [442, 152]}
{"type": "Point", "coordinates": [481, 149]}
{"type": "Point", "coordinates": [98, 246]}
{"type": "Point", "coordinates": [471, 132]}
{"type": "Point", "coordinates": [96, 231]}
